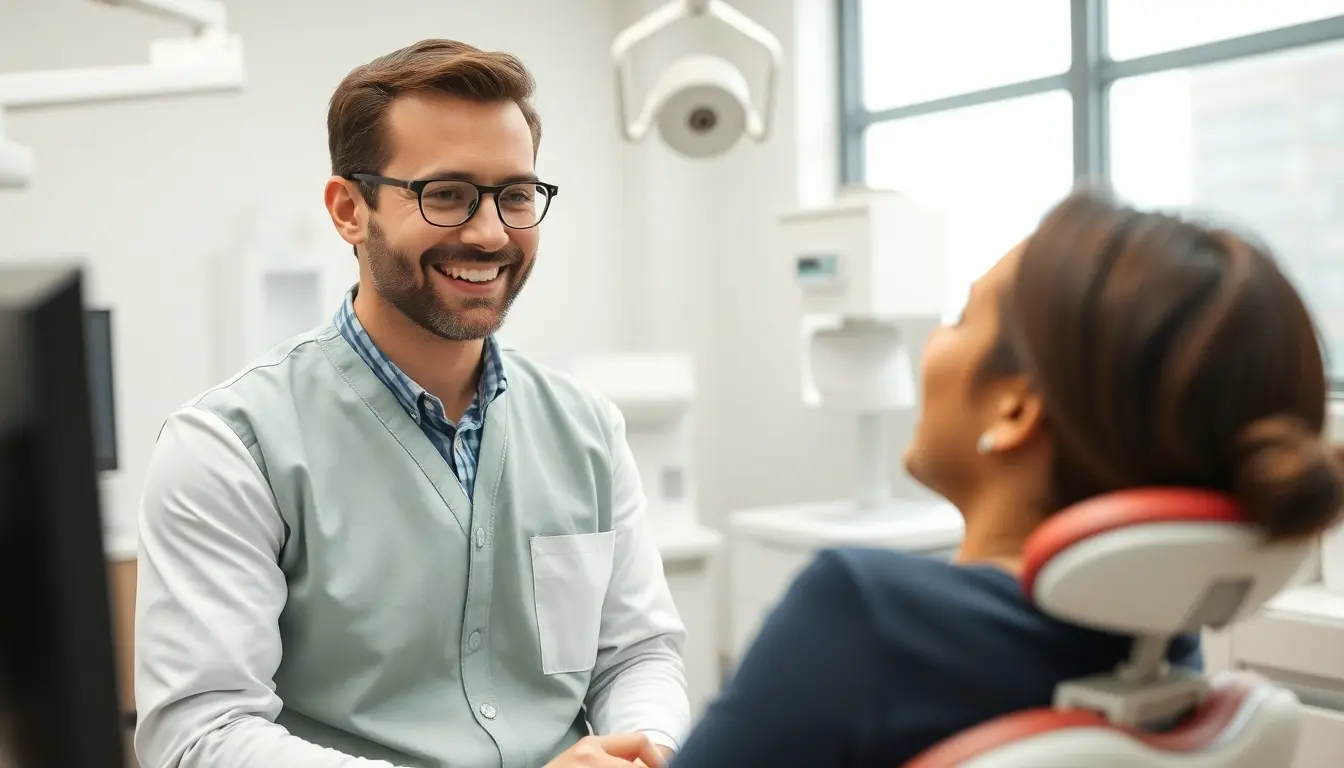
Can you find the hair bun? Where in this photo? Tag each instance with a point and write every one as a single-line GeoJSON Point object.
{"type": "Point", "coordinates": [1288, 479]}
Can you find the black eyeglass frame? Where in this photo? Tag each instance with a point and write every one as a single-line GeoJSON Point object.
{"type": "Point", "coordinates": [418, 187]}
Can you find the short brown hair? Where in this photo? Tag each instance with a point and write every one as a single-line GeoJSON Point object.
{"type": "Point", "coordinates": [1170, 353]}
{"type": "Point", "coordinates": [356, 135]}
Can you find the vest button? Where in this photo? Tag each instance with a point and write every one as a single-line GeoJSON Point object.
{"type": "Point", "coordinates": [488, 711]}
{"type": "Point", "coordinates": [480, 538]}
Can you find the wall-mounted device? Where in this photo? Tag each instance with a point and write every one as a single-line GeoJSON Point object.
{"type": "Point", "coordinates": [872, 271]}
{"type": "Point", "coordinates": [701, 105]}
{"type": "Point", "coordinates": [211, 60]}
{"type": "Point", "coordinates": [872, 253]}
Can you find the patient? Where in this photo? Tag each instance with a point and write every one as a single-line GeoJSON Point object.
{"type": "Point", "coordinates": [1113, 349]}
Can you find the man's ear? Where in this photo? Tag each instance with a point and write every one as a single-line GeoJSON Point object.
{"type": "Point", "coordinates": [346, 206]}
{"type": "Point", "coordinates": [1018, 415]}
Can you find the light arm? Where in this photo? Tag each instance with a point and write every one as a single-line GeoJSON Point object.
{"type": "Point", "coordinates": [205, 16]}
{"type": "Point", "coordinates": [758, 125]}
{"type": "Point", "coordinates": [210, 61]}
{"type": "Point", "coordinates": [661, 18]}
{"type": "Point", "coordinates": [176, 67]}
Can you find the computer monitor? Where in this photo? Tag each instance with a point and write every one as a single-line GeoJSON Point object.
{"type": "Point", "coordinates": [102, 389]}
{"type": "Point", "coordinates": [58, 690]}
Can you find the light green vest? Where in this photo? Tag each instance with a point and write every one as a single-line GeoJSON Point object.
{"type": "Point", "coordinates": [411, 628]}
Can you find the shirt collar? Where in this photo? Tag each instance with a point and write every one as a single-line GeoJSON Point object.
{"type": "Point", "coordinates": [412, 397]}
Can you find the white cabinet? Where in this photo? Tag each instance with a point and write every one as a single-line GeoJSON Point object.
{"type": "Point", "coordinates": [1298, 641]}
{"type": "Point", "coordinates": [691, 564]}
{"type": "Point", "coordinates": [1332, 559]}
{"type": "Point", "coordinates": [1322, 739]}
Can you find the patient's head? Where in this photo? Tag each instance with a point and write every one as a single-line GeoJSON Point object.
{"type": "Point", "coordinates": [1115, 349]}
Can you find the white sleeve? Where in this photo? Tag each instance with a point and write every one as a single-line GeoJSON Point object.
{"type": "Point", "coordinates": [639, 682]}
{"type": "Point", "coordinates": [209, 598]}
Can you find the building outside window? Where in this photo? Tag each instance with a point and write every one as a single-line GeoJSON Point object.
{"type": "Point", "coordinates": [1227, 109]}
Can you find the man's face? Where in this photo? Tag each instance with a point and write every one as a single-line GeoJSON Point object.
{"type": "Point", "coordinates": [422, 269]}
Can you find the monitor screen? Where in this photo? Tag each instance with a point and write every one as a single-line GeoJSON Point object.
{"type": "Point", "coordinates": [58, 685]}
{"type": "Point", "coordinates": [98, 336]}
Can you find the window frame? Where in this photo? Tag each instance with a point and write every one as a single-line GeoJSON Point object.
{"type": "Point", "coordinates": [1088, 81]}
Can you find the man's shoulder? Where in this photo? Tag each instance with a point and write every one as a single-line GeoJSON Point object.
{"type": "Point", "coordinates": [266, 386]}
{"type": "Point", "coordinates": [269, 371]}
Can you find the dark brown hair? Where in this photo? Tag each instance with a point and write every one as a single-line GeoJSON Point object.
{"type": "Point", "coordinates": [356, 134]}
{"type": "Point", "coordinates": [1167, 353]}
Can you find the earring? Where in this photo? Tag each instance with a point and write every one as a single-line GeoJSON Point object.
{"type": "Point", "coordinates": [985, 444]}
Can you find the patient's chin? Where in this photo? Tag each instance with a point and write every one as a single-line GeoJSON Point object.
{"type": "Point", "coordinates": [910, 460]}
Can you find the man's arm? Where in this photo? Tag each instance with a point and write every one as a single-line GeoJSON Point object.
{"type": "Point", "coordinates": [209, 599]}
{"type": "Point", "coordinates": [639, 682]}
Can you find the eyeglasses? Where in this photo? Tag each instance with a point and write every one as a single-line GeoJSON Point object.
{"type": "Point", "coordinates": [452, 202]}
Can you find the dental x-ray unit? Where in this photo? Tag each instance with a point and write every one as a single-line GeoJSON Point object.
{"type": "Point", "coordinates": [210, 60]}
{"type": "Point", "coordinates": [702, 104]}
{"type": "Point", "coordinates": [872, 270]}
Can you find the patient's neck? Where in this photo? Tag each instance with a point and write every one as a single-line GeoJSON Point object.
{"type": "Point", "coordinates": [997, 527]}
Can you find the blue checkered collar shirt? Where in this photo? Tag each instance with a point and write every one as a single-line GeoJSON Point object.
{"type": "Point", "coordinates": [459, 444]}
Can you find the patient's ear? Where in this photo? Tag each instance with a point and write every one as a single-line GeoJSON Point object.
{"type": "Point", "coordinates": [1018, 415]}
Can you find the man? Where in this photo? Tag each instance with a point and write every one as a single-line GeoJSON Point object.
{"type": "Point", "coordinates": [390, 542]}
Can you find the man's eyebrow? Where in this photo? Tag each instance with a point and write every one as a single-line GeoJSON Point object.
{"type": "Point", "coordinates": [456, 175]}
{"type": "Point", "coordinates": [520, 178]}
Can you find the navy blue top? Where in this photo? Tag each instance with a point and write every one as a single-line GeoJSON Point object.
{"type": "Point", "coordinates": [875, 655]}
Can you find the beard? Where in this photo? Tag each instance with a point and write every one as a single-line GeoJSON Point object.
{"type": "Point", "coordinates": [405, 282]}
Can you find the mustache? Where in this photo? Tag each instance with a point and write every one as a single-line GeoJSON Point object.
{"type": "Point", "coordinates": [504, 257]}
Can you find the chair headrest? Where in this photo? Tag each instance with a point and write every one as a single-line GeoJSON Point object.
{"type": "Point", "coordinates": [1155, 561]}
{"type": "Point", "coordinates": [1245, 722]}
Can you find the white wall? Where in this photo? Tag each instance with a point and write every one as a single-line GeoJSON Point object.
{"type": "Point", "coordinates": [719, 278]}
{"type": "Point", "coordinates": [149, 192]}
{"type": "Point", "coordinates": [644, 250]}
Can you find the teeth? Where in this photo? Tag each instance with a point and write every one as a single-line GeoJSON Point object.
{"type": "Point", "coordinates": [470, 275]}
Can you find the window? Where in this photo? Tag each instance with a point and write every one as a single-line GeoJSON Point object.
{"type": "Point", "coordinates": [1238, 141]}
{"type": "Point", "coordinates": [917, 50]}
{"type": "Point", "coordinates": [995, 168]}
{"type": "Point", "coordinates": [1133, 26]}
{"type": "Point", "coordinates": [1232, 109]}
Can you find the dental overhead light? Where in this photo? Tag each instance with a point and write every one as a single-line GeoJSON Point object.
{"type": "Point", "coordinates": [702, 104]}
{"type": "Point", "coordinates": [210, 60]}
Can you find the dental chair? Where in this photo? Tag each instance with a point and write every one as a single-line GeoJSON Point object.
{"type": "Point", "coordinates": [1155, 564]}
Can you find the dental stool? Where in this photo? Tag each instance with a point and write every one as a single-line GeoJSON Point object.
{"type": "Point", "coordinates": [1155, 564]}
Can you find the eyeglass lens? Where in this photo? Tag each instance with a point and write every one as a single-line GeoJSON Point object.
{"type": "Point", "coordinates": [450, 203]}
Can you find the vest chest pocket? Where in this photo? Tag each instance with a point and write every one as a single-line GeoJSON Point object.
{"type": "Point", "coordinates": [570, 575]}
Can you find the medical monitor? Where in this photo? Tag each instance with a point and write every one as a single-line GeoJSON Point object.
{"type": "Point", "coordinates": [58, 688]}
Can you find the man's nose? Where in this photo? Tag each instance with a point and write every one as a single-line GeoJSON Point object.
{"type": "Point", "coordinates": [485, 230]}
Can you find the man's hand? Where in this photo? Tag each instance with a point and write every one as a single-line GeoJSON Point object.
{"type": "Point", "coordinates": [616, 751]}
{"type": "Point", "coordinates": [666, 752]}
